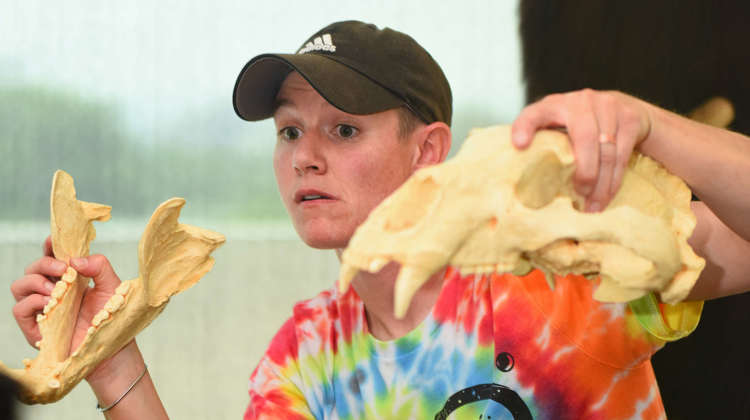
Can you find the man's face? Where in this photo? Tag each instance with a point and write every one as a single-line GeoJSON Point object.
{"type": "Point", "coordinates": [333, 168]}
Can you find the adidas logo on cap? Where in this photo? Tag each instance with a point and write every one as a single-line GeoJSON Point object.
{"type": "Point", "coordinates": [320, 43]}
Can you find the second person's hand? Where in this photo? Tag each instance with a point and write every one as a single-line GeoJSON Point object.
{"type": "Point", "coordinates": [604, 128]}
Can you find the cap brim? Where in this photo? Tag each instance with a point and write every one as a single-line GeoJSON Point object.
{"type": "Point", "coordinates": [342, 86]}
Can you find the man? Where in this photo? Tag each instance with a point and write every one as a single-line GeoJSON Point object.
{"type": "Point", "coordinates": [357, 110]}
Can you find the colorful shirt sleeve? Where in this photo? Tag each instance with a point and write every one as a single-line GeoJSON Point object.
{"type": "Point", "coordinates": [275, 385]}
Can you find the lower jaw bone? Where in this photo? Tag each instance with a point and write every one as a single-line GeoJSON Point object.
{"type": "Point", "coordinates": [172, 257]}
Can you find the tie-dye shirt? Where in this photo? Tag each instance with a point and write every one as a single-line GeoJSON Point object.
{"type": "Point", "coordinates": [494, 347]}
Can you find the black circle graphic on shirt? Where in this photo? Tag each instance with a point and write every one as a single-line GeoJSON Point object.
{"type": "Point", "coordinates": [504, 362]}
{"type": "Point", "coordinates": [498, 393]}
{"type": "Point", "coordinates": [495, 392]}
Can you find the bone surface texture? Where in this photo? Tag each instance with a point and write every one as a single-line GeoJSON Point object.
{"type": "Point", "coordinates": [494, 208]}
{"type": "Point", "coordinates": [172, 257]}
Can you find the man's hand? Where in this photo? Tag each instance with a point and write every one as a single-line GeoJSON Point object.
{"type": "Point", "coordinates": [604, 128]}
{"type": "Point", "coordinates": [32, 292]}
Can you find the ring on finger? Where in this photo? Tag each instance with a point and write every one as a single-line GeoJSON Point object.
{"type": "Point", "coordinates": [606, 138]}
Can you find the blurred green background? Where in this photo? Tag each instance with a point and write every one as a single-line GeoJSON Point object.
{"type": "Point", "coordinates": [133, 99]}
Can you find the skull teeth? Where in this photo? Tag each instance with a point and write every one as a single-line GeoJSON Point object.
{"type": "Point", "coordinates": [51, 304]}
{"type": "Point", "coordinates": [409, 280]}
{"type": "Point", "coordinates": [346, 275]}
{"type": "Point", "coordinates": [69, 276]}
{"type": "Point", "coordinates": [114, 303]}
{"type": "Point", "coordinates": [54, 372]}
{"type": "Point", "coordinates": [59, 290]}
{"type": "Point", "coordinates": [99, 317]}
{"type": "Point", "coordinates": [377, 264]}
{"type": "Point", "coordinates": [123, 288]}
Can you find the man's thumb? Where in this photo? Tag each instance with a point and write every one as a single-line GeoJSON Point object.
{"type": "Point", "coordinates": [99, 269]}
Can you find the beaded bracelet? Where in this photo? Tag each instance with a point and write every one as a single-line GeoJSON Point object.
{"type": "Point", "coordinates": [101, 410]}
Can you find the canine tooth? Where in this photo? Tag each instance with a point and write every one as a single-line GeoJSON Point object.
{"type": "Point", "coordinates": [40, 318]}
{"type": "Point", "coordinates": [38, 343]}
{"type": "Point", "coordinates": [114, 303]}
{"type": "Point", "coordinates": [377, 264]}
{"type": "Point", "coordinates": [54, 383]}
{"type": "Point", "coordinates": [91, 330]}
{"type": "Point", "coordinates": [346, 274]}
{"type": "Point", "coordinates": [408, 282]}
{"type": "Point", "coordinates": [550, 279]}
{"type": "Point", "coordinates": [123, 288]}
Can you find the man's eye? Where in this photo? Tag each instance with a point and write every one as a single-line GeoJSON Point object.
{"type": "Point", "coordinates": [290, 133]}
{"type": "Point", "coordinates": [346, 131]}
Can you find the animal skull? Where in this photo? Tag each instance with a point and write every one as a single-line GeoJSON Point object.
{"type": "Point", "coordinates": [172, 257]}
{"type": "Point", "coordinates": [496, 208]}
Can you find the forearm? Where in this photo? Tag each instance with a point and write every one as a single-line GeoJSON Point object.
{"type": "Point", "coordinates": [714, 162]}
{"type": "Point", "coordinates": [727, 256]}
{"type": "Point", "coordinates": [109, 383]}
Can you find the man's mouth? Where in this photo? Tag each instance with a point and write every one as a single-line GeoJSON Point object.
{"type": "Point", "coordinates": [311, 195]}
{"type": "Point", "coordinates": [314, 197]}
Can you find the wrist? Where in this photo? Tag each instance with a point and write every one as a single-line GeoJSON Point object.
{"type": "Point", "coordinates": [649, 118]}
{"type": "Point", "coordinates": [115, 374]}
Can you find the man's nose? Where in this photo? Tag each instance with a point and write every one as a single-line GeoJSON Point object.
{"type": "Point", "coordinates": [308, 156]}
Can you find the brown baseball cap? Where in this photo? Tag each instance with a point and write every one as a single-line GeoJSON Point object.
{"type": "Point", "coordinates": [356, 67]}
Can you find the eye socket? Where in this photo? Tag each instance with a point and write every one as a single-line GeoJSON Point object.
{"type": "Point", "coordinates": [290, 133]}
{"type": "Point", "coordinates": [346, 131]}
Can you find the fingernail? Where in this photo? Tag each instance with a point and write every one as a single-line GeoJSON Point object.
{"type": "Point", "coordinates": [519, 138]}
{"type": "Point", "coordinates": [79, 262]}
{"type": "Point", "coordinates": [49, 285]}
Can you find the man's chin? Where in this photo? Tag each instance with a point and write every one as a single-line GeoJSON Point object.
{"type": "Point", "coordinates": [325, 244]}
{"type": "Point", "coordinates": [322, 240]}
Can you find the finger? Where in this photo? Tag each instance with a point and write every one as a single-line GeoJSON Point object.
{"type": "Point", "coordinates": [605, 111]}
{"type": "Point", "coordinates": [99, 269]}
{"type": "Point", "coordinates": [600, 196]}
{"type": "Point", "coordinates": [47, 247]}
{"type": "Point", "coordinates": [583, 130]}
{"type": "Point", "coordinates": [25, 313]}
{"type": "Point", "coordinates": [31, 284]}
{"type": "Point", "coordinates": [627, 137]}
{"type": "Point", "coordinates": [47, 266]}
{"type": "Point", "coordinates": [542, 114]}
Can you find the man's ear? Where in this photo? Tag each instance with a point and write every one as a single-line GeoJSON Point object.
{"type": "Point", "coordinates": [433, 144]}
